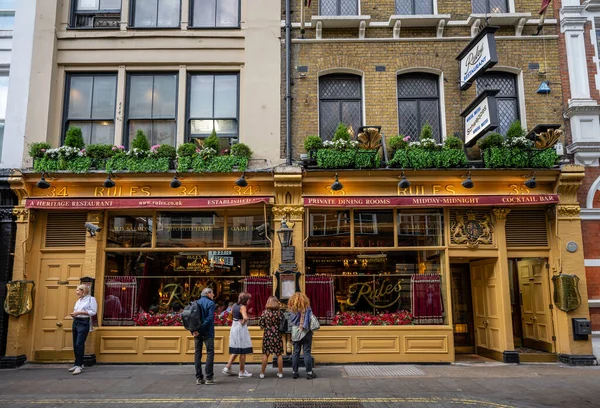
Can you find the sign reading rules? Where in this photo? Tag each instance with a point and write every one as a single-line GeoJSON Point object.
{"type": "Point", "coordinates": [479, 55]}
{"type": "Point", "coordinates": [480, 116]}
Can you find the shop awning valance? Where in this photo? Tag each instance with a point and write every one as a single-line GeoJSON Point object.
{"type": "Point", "coordinates": [431, 201]}
{"type": "Point", "coordinates": [106, 203]}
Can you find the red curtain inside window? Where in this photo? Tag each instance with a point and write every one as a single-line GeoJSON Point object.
{"type": "Point", "coordinates": [319, 290]}
{"type": "Point", "coordinates": [426, 292]}
{"type": "Point", "coordinates": [260, 288]}
{"type": "Point", "coordinates": [120, 300]}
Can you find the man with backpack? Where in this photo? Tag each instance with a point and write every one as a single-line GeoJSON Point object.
{"type": "Point", "coordinates": [205, 334]}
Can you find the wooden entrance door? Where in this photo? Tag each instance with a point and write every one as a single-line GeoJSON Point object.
{"type": "Point", "coordinates": [535, 304]}
{"type": "Point", "coordinates": [59, 276]}
{"type": "Point", "coordinates": [486, 309]}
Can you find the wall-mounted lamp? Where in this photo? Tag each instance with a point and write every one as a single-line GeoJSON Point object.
{"type": "Point", "coordinates": [404, 183]}
{"type": "Point", "coordinates": [530, 182]}
{"type": "Point", "coordinates": [175, 183]}
{"type": "Point", "coordinates": [337, 186]}
{"type": "Point", "coordinates": [467, 183]}
{"type": "Point", "coordinates": [43, 184]}
{"type": "Point", "coordinates": [109, 182]}
{"type": "Point", "coordinates": [242, 182]}
{"type": "Point", "coordinates": [285, 234]}
{"type": "Point", "coordinates": [544, 88]}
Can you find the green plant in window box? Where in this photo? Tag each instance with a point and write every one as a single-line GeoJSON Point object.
{"type": "Point", "coordinates": [312, 144]}
{"type": "Point", "coordinates": [74, 138]}
{"type": "Point", "coordinates": [38, 150]}
{"type": "Point", "coordinates": [185, 156]}
{"type": "Point", "coordinates": [140, 141]}
{"type": "Point", "coordinates": [212, 142]}
{"type": "Point", "coordinates": [492, 151]}
{"type": "Point", "coordinates": [342, 133]}
{"type": "Point", "coordinates": [99, 153]}
{"type": "Point", "coordinates": [452, 154]}
{"type": "Point", "coordinates": [546, 159]}
{"type": "Point", "coordinates": [336, 159]}
{"type": "Point", "coordinates": [241, 150]}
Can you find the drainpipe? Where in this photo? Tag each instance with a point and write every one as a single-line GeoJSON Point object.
{"type": "Point", "coordinates": [288, 83]}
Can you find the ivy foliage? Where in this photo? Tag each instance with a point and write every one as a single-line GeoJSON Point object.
{"type": "Point", "coordinates": [122, 162]}
{"type": "Point", "coordinates": [75, 165]}
{"type": "Point", "coordinates": [335, 159]}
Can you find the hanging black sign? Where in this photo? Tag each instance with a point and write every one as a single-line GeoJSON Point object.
{"type": "Point", "coordinates": [478, 56]}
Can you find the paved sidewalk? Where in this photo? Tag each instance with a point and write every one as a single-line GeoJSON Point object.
{"type": "Point", "coordinates": [487, 384]}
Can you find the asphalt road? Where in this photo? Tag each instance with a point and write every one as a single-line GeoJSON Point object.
{"type": "Point", "coordinates": [488, 384]}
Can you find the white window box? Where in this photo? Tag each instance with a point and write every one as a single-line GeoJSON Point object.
{"type": "Point", "coordinates": [418, 20]}
{"type": "Point", "coordinates": [359, 22]}
{"type": "Point", "coordinates": [517, 20]}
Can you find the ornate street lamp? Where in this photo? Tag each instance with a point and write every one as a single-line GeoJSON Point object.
{"type": "Point", "coordinates": [285, 234]}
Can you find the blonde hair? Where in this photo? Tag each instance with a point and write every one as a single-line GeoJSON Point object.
{"type": "Point", "coordinates": [272, 303]}
{"type": "Point", "coordinates": [299, 302]}
{"type": "Point", "coordinates": [85, 288]}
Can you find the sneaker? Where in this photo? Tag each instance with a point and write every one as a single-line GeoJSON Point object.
{"type": "Point", "coordinates": [245, 374]}
{"type": "Point", "coordinates": [77, 370]}
{"type": "Point", "coordinates": [311, 375]}
{"type": "Point", "coordinates": [210, 382]}
{"type": "Point", "coordinates": [279, 375]}
{"type": "Point", "coordinates": [295, 375]}
{"type": "Point", "coordinates": [72, 369]}
{"type": "Point", "coordinates": [227, 371]}
{"type": "Point", "coordinates": [199, 381]}
{"type": "Point", "coordinates": [261, 375]}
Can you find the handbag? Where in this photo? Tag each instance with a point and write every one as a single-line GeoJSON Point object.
{"type": "Point", "coordinates": [283, 325]}
{"type": "Point", "coordinates": [298, 333]}
{"type": "Point", "coordinates": [314, 323]}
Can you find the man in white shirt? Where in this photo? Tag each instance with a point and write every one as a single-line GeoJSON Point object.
{"type": "Point", "coordinates": [84, 309]}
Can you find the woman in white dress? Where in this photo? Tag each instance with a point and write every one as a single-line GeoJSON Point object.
{"type": "Point", "coordinates": [240, 343]}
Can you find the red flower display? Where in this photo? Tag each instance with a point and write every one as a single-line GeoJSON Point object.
{"type": "Point", "coordinates": [169, 319]}
{"type": "Point", "coordinates": [399, 318]}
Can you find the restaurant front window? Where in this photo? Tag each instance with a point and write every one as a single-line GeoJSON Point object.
{"type": "Point", "coordinates": [372, 279]}
{"type": "Point", "coordinates": [150, 287]}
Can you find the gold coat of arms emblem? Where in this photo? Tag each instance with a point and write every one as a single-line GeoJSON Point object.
{"type": "Point", "coordinates": [19, 297]}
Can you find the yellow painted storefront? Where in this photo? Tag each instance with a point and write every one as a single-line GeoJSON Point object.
{"type": "Point", "coordinates": [482, 256]}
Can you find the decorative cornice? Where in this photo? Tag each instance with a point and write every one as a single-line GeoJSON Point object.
{"type": "Point", "coordinates": [293, 212]}
{"type": "Point", "coordinates": [568, 211]}
{"type": "Point", "coordinates": [580, 110]}
{"type": "Point", "coordinates": [501, 213]}
{"type": "Point", "coordinates": [569, 181]}
{"type": "Point", "coordinates": [584, 147]}
{"type": "Point", "coordinates": [22, 214]}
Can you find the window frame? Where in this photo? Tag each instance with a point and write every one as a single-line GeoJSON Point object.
{"type": "Point", "coordinates": [516, 97]}
{"type": "Point", "coordinates": [74, 13]}
{"type": "Point", "coordinates": [215, 27]}
{"type": "Point", "coordinates": [131, 22]}
{"type": "Point", "coordinates": [338, 8]}
{"type": "Point", "coordinates": [188, 118]}
{"type": "Point", "coordinates": [435, 78]}
{"type": "Point", "coordinates": [488, 7]}
{"type": "Point", "coordinates": [413, 3]}
{"type": "Point", "coordinates": [126, 117]}
{"type": "Point", "coordinates": [67, 99]}
{"type": "Point", "coordinates": [340, 75]}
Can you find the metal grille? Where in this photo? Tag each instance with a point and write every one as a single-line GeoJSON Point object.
{"type": "Point", "coordinates": [339, 7]}
{"type": "Point", "coordinates": [383, 371]}
{"type": "Point", "coordinates": [490, 6]}
{"type": "Point", "coordinates": [526, 228]}
{"type": "Point", "coordinates": [66, 229]}
{"type": "Point", "coordinates": [340, 102]}
{"type": "Point", "coordinates": [408, 7]}
{"type": "Point", "coordinates": [508, 106]}
{"type": "Point", "coordinates": [317, 404]}
{"type": "Point", "coordinates": [418, 104]}
{"type": "Point", "coordinates": [339, 87]}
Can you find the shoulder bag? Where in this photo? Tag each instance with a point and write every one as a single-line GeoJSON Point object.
{"type": "Point", "coordinates": [283, 325]}
{"type": "Point", "coordinates": [298, 333]}
{"type": "Point", "coordinates": [314, 323]}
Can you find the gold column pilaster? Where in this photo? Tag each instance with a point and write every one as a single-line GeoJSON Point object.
{"type": "Point", "coordinates": [567, 228]}
{"type": "Point", "coordinates": [289, 205]}
{"type": "Point", "coordinates": [504, 311]}
{"type": "Point", "coordinates": [92, 267]}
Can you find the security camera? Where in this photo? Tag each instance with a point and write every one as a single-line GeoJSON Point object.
{"type": "Point", "coordinates": [92, 229]}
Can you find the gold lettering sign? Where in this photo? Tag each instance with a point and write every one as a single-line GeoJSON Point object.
{"type": "Point", "coordinates": [375, 293]}
{"type": "Point", "coordinates": [19, 300]}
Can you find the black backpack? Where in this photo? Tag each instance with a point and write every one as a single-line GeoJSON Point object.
{"type": "Point", "coordinates": [192, 317]}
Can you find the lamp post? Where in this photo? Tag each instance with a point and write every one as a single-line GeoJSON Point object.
{"type": "Point", "coordinates": [285, 234]}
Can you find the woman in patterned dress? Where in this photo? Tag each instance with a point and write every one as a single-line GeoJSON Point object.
{"type": "Point", "coordinates": [272, 342]}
